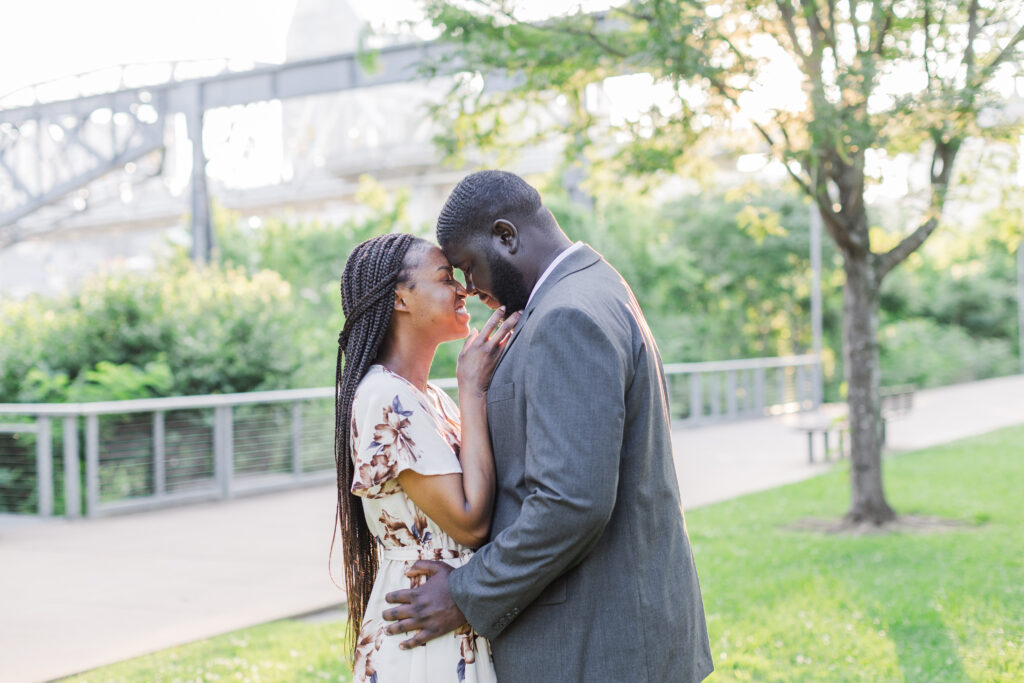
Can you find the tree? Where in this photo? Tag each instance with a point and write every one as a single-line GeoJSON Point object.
{"type": "Point", "coordinates": [710, 56]}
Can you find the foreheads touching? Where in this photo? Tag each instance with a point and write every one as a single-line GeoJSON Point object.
{"type": "Point", "coordinates": [481, 229]}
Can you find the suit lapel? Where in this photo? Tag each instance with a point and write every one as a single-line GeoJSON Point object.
{"type": "Point", "coordinates": [583, 257]}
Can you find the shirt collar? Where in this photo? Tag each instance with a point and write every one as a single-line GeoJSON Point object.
{"type": "Point", "coordinates": [554, 264]}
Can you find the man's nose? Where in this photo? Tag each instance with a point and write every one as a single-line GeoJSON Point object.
{"type": "Point", "coordinates": [470, 287]}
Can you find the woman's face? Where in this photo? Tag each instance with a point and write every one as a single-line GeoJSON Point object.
{"type": "Point", "coordinates": [433, 298]}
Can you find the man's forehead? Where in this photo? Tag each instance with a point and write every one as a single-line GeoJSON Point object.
{"type": "Point", "coordinates": [460, 254]}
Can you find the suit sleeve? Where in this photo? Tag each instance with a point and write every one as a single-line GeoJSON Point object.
{"type": "Point", "coordinates": [576, 384]}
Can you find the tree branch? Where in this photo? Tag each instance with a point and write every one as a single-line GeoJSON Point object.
{"type": "Point", "coordinates": [907, 246]}
{"type": "Point", "coordinates": [928, 42]}
{"type": "Point", "coordinates": [639, 16]}
{"type": "Point", "coordinates": [786, 10]}
{"type": "Point", "coordinates": [566, 29]}
{"type": "Point", "coordinates": [772, 147]}
{"type": "Point", "coordinates": [1003, 55]}
{"type": "Point", "coordinates": [831, 4]}
{"type": "Point", "coordinates": [883, 16]}
{"type": "Point", "coordinates": [836, 225]}
{"type": "Point", "coordinates": [817, 30]}
{"type": "Point", "coordinates": [944, 154]}
{"type": "Point", "coordinates": [855, 24]}
{"type": "Point", "coordinates": [972, 34]}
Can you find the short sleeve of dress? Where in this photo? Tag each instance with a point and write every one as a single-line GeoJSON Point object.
{"type": "Point", "coordinates": [393, 430]}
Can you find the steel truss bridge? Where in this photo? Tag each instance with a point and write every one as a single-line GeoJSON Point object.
{"type": "Point", "coordinates": [51, 150]}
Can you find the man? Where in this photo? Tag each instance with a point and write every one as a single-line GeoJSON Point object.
{"type": "Point", "coordinates": [588, 575]}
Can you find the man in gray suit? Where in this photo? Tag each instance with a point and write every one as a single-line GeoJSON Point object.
{"type": "Point", "coordinates": [588, 575]}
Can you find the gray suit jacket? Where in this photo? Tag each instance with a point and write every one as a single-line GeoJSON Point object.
{"type": "Point", "coordinates": [588, 575]}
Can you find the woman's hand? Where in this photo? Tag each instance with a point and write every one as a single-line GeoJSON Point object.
{"type": "Point", "coordinates": [480, 353]}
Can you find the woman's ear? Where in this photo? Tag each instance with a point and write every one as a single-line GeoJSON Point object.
{"type": "Point", "coordinates": [400, 302]}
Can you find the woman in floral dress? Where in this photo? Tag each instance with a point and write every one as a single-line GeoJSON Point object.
{"type": "Point", "coordinates": [415, 475]}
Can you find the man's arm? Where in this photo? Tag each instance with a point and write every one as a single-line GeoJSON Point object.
{"type": "Point", "coordinates": [576, 382]}
{"type": "Point", "coordinates": [575, 386]}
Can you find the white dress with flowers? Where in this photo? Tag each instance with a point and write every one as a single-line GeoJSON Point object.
{"type": "Point", "coordinates": [396, 427]}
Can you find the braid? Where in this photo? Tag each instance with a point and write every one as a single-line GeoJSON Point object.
{"type": "Point", "coordinates": [367, 286]}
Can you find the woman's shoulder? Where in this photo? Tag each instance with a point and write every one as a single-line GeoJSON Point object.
{"type": "Point", "coordinates": [378, 382]}
{"type": "Point", "coordinates": [381, 387]}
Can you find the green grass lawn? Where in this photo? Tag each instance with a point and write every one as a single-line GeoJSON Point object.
{"type": "Point", "coordinates": [785, 605]}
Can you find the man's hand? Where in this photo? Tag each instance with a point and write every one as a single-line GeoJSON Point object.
{"type": "Point", "coordinates": [429, 608]}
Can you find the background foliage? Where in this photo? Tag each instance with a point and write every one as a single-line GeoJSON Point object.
{"type": "Point", "coordinates": [719, 276]}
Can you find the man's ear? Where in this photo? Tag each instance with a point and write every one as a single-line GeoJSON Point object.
{"type": "Point", "coordinates": [507, 235]}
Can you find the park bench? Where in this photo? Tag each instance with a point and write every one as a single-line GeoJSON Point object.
{"type": "Point", "coordinates": [825, 421]}
{"type": "Point", "coordinates": [897, 402]}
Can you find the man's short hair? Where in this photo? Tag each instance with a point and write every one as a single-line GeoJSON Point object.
{"type": "Point", "coordinates": [482, 198]}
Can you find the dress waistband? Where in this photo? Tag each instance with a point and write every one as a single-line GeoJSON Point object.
{"type": "Point", "coordinates": [413, 553]}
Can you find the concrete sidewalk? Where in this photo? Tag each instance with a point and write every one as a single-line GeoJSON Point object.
{"type": "Point", "coordinates": [76, 595]}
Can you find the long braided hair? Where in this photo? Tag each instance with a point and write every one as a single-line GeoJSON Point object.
{"type": "Point", "coordinates": [368, 283]}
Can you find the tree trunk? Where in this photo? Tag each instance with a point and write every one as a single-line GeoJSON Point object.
{"type": "Point", "coordinates": [860, 353]}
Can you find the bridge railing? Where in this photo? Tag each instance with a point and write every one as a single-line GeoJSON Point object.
{"type": "Point", "coordinates": [102, 458]}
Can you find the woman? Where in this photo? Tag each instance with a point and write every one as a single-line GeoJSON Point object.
{"type": "Point", "coordinates": [415, 477]}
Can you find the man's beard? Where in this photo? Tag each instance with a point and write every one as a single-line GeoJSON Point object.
{"type": "Point", "coordinates": [507, 284]}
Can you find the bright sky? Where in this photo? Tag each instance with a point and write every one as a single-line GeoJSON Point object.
{"type": "Point", "coordinates": [42, 40]}
{"type": "Point", "coordinates": [45, 39]}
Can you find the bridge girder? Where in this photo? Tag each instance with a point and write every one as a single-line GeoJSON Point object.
{"type": "Point", "coordinates": [50, 150]}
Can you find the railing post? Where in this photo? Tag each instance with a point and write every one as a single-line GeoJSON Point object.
{"type": "Point", "coordinates": [223, 449]}
{"type": "Point", "coordinates": [696, 397]}
{"type": "Point", "coordinates": [92, 464]}
{"type": "Point", "coordinates": [159, 451]}
{"type": "Point", "coordinates": [731, 402]}
{"type": "Point", "coordinates": [44, 466]}
{"type": "Point", "coordinates": [72, 485]}
{"type": "Point", "coordinates": [296, 438]}
{"type": "Point", "coordinates": [781, 377]}
{"type": "Point", "coordinates": [759, 390]}
{"type": "Point", "coordinates": [798, 387]}
{"type": "Point", "coordinates": [751, 379]}
{"type": "Point", "coordinates": [715, 394]}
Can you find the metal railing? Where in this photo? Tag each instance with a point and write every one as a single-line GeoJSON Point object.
{"type": "Point", "coordinates": [737, 389]}
{"type": "Point", "coordinates": [150, 453]}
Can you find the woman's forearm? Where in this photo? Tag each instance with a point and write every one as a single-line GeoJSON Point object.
{"type": "Point", "coordinates": [477, 461]}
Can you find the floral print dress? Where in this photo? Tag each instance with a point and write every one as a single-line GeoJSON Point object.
{"type": "Point", "coordinates": [396, 427]}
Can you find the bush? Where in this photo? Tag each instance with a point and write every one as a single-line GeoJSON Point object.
{"type": "Point", "coordinates": [928, 354]}
{"type": "Point", "coordinates": [177, 331]}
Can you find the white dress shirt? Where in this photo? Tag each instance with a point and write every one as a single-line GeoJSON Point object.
{"type": "Point", "coordinates": [558, 259]}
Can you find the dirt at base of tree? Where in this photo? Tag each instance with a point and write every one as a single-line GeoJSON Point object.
{"type": "Point", "coordinates": [916, 524]}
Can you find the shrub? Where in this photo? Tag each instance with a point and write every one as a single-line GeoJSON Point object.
{"type": "Point", "coordinates": [177, 331]}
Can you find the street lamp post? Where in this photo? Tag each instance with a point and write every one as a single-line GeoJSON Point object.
{"type": "Point", "coordinates": [816, 312]}
{"type": "Point", "coordinates": [1020, 301]}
